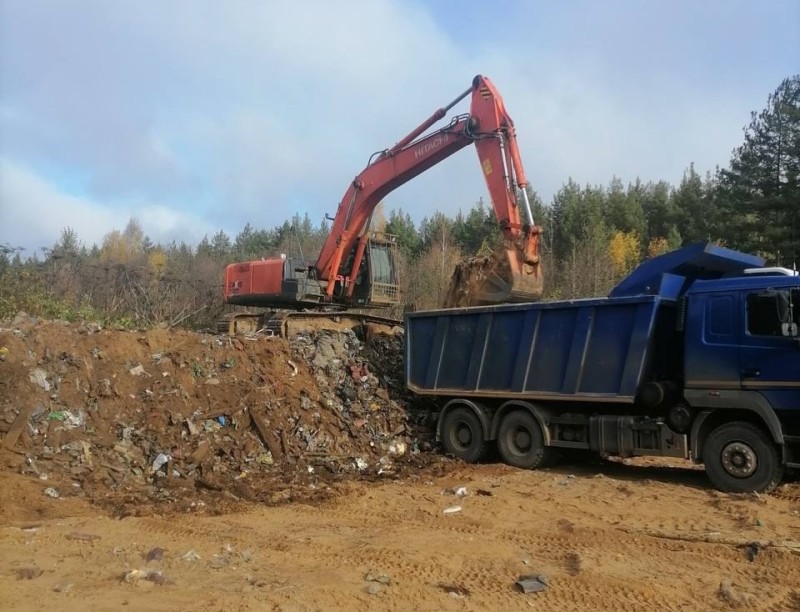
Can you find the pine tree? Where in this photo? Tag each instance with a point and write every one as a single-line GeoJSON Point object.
{"type": "Point", "coordinates": [760, 191]}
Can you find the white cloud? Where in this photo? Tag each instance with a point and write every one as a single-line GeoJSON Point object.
{"type": "Point", "coordinates": [241, 111]}
{"type": "Point", "coordinates": [33, 213]}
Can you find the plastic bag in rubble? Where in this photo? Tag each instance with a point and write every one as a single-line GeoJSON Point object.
{"type": "Point", "coordinates": [160, 461]}
{"type": "Point", "coordinates": [39, 376]}
{"type": "Point", "coordinates": [69, 419]}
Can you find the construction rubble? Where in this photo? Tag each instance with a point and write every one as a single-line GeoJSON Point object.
{"type": "Point", "coordinates": [160, 420]}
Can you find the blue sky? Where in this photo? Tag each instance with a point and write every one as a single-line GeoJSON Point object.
{"type": "Point", "coordinates": [196, 115]}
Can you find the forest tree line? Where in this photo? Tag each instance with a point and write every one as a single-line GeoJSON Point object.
{"type": "Point", "coordinates": [593, 235]}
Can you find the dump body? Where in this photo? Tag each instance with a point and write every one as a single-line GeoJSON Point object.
{"type": "Point", "coordinates": [595, 350]}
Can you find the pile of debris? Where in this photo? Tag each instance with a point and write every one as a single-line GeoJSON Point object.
{"type": "Point", "coordinates": [146, 419]}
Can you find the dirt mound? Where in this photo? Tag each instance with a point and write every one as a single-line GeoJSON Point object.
{"type": "Point", "coordinates": [164, 420]}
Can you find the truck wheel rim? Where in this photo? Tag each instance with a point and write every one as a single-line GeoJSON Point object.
{"type": "Point", "coordinates": [463, 436]}
{"type": "Point", "coordinates": [739, 460]}
{"type": "Point", "coordinates": [522, 440]}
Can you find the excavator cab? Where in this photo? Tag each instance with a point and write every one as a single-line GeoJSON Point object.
{"type": "Point", "coordinates": [376, 284]}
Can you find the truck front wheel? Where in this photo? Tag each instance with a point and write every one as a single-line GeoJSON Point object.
{"type": "Point", "coordinates": [740, 458]}
{"type": "Point", "coordinates": [521, 442]}
{"type": "Point", "coordinates": [462, 435]}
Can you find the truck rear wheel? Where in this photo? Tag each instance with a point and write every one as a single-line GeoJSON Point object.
{"type": "Point", "coordinates": [739, 457]}
{"type": "Point", "coordinates": [463, 436]}
{"type": "Point", "coordinates": [521, 442]}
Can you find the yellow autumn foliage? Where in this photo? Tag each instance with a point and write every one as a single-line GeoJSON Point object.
{"type": "Point", "coordinates": [157, 261]}
{"type": "Point", "coordinates": [657, 246]}
{"type": "Point", "coordinates": [625, 249]}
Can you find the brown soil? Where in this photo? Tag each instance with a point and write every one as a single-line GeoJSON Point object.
{"type": "Point", "coordinates": [316, 492]}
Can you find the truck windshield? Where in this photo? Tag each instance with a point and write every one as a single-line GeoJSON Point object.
{"type": "Point", "coordinates": [773, 312]}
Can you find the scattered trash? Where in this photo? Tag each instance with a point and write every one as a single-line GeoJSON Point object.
{"type": "Point", "coordinates": [137, 370]}
{"type": "Point", "coordinates": [376, 583]}
{"type": "Point", "coordinates": [107, 425]}
{"type": "Point", "coordinates": [190, 556]}
{"type": "Point", "coordinates": [193, 429]}
{"type": "Point", "coordinates": [455, 590]}
{"type": "Point", "coordinates": [397, 448]}
{"type": "Point", "coordinates": [219, 561]}
{"type": "Point", "coordinates": [573, 563]}
{"type": "Point", "coordinates": [461, 492]}
{"type": "Point", "coordinates": [373, 588]}
{"type": "Point", "coordinates": [151, 575]}
{"type": "Point", "coordinates": [69, 419]}
{"type": "Point", "coordinates": [484, 492]}
{"type": "Point", "coordinates": [752, 551]}
{"type": "Point", "coordinates": [39, 376]}
{"type": "Point", "coordinates": [379, 578]}
{"type": "Point", "coordinates": [154, 554]}
{"type": "Point", "coordinates": [452, 510]}
{"type": "Point", "coordinates": [28, 573]}
{"type": "Point", "coordinates": [160, 461]}
{"type": "Point", "coordinates": [533, 583]}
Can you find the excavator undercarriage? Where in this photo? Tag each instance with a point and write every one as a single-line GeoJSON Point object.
{"type": "Point", "coordinates": [288, 324]}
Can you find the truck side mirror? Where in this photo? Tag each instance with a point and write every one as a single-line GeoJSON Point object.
{"type": "Point", "coordinates": [789, 329]}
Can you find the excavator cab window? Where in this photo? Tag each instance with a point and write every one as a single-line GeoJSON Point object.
{"type": "Point", "coordinates": [382, 262]}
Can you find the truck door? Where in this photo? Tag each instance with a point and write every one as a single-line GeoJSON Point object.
{"type": "Point", "coordinates": [770, 354]}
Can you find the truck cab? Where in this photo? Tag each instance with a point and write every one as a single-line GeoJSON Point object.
{"type": "Point", "coordinates": [742, 357]}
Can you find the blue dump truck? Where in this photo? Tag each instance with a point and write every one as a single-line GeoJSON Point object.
{"type": "Point", "coordinates": [695, 355]}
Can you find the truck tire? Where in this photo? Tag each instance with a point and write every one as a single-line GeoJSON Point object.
{"type": "Point", "coordinates": [740, 457]}
{"type": "Point", "coordinates": [521, 442]}
{"type": "Point", "coordinates": [463, 436]}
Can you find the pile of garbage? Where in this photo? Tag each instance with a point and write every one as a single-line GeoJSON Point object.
{"type": "Point", "coordinates": [141, 420]}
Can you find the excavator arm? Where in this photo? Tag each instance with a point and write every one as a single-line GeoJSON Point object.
{"type": "Point", "coordinates": [354, 268]}
{"type": "Point", "coordinates": [513, 275]}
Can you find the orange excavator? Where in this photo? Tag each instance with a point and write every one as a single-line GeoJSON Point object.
{"type": "Point", "coordinates": [356, 268]}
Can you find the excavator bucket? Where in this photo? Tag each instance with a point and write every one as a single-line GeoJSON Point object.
{"type": "Point", "coordinates": [502, 277]}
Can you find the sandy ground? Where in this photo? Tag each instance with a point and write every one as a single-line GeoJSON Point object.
{"type": "Point", "coordinates": [610, 537]}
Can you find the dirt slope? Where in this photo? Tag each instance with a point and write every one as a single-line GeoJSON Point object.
{"type": "Point", "coordinates": [158, 420]}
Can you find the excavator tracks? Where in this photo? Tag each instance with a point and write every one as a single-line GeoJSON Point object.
{"type": "Point", "coordinates": [287, 324]}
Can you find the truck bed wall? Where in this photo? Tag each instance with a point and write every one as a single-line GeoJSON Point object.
{"type": "Point", "coordinates": [583, 350]}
